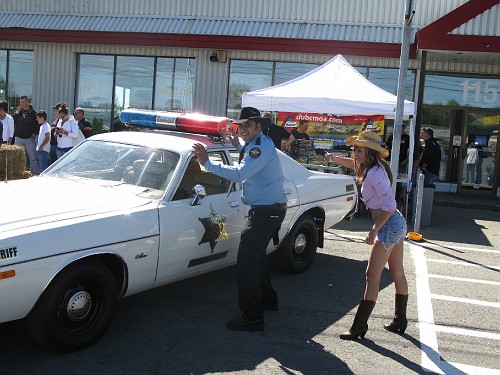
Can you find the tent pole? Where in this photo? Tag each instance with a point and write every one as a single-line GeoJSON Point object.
{"type": "Point", "coordinates": [403, 68]}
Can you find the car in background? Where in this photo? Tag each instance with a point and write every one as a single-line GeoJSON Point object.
{"type": "Point", "coordinates": [96, 102]}
{"type": "Point", "coordinates": [128, 211]}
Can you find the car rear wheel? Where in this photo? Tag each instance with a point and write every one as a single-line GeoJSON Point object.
{"type": "Point", "coordinates": [76, 308]}
{"type": "Point", "coordinates": [297, 251]}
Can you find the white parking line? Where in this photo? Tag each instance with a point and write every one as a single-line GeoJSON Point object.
{"type": "Point", "coordinates": [465, 300]}
{"type": "Point", "coordinates": [460, 263]}
{"type": "Point", "coordinates": [460, 368]}
{"type": "Point", "coordinates": [453, 278]}
{"type": "Point", "coordinates": [431, 359]}
{"type": "Point", "coordinates": [460, 248]}
{"type": "Point", "coordinates": [467, 332]}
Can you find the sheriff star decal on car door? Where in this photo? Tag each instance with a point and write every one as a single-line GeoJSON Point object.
{"type": "Point", "coordinates": [215, 228]}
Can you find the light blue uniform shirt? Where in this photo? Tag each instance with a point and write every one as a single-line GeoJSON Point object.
{"type": "Point", "coordinates": [260, 170]}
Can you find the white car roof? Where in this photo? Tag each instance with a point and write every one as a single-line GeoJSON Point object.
{"type": "Point", "coordinates": [164, 139]}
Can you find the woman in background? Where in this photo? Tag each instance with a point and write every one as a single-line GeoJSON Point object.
{"type": "Point", "coordinates": [66, 131]}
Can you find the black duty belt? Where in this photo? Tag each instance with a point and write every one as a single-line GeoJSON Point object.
{"type": "Point", "coordinates": [276, 206]}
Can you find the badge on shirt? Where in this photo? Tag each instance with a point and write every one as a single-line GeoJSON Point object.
{"type": "Point", "coordinates": [254, 152]}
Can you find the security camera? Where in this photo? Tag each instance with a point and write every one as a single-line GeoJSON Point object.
{"type": "Point", "coordinates": [213, 57]}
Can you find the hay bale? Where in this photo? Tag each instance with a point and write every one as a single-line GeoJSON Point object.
{"type": "Point", "coordinates": [13, 163]}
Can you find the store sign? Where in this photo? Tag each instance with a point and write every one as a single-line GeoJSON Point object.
{"type": "Point", "coordinates": [328, 131]}
{"type": "Point", "coordinates": [479, 91]}
{"type": "Point", "coordinates": [462, 91]}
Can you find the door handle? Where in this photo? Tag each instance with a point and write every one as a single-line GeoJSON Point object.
{"type": "Point", "coordinates": [234, 204]}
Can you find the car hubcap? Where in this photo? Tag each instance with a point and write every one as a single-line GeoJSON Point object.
{"type": "Point", "coordinates": [79, 305]}
{"type": "Point", "coordinates": [300, 243]}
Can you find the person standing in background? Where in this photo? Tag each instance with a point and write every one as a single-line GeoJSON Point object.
{"type": "Point", "coordinates": [43, 144]}
{"type": "Point", "coordinates": [300, 132]}
{"type": "Point", "coordinates": [430, 161]}
{"type": "Point", "coordinates": [472, 156]}
{"type": "Point", "coordinates": [66, 131]}
{"type": "Point", "coordinates": [278, 134]}
{"type": "Point", "coordinates": [7, 123]}
{"type": "Point", "coordinates": [53, 135]}
{"type": "Point", "coordinates": [479, 166]}
{"type": "Point", "coordinates": [84, 124]}
{"type": "Point", "coordinates": [25, 132]}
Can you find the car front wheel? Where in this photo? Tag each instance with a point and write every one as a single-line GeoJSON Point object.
{"type": "Point", "coordinates": [297, 251]}
{"type": "Point", "coordinates": [76, 308]}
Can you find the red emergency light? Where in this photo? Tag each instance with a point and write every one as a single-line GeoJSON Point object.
{"type": "Point", "coordinates": [183, 122]}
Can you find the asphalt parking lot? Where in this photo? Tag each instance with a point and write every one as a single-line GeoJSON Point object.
{"type": "Point", "coordinates": [180, 328]}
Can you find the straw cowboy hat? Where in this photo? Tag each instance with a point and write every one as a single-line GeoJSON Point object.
{"type": "Point", "coordinates": [368, 139]}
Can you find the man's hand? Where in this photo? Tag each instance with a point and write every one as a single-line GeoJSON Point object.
{"type": "Point", "coordinates": [201, 153]}
{"type": "Point", "coordinates": [235, 141]}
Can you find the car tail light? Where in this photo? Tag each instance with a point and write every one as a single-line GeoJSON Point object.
{"type": "Point", "coordinates": [183, 122]}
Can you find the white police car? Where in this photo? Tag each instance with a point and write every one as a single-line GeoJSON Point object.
{"type": "Point", "coordinates": [129, 211]}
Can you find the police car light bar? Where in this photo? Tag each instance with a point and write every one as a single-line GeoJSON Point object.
{"type": "Point", "coordinates": [183, 122]}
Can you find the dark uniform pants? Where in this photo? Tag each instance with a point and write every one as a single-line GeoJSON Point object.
{"type": "Point", "coordinates": [254, 283]}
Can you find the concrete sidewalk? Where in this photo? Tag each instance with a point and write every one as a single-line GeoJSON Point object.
{"type": "Point", "coordinates": [480, 202]}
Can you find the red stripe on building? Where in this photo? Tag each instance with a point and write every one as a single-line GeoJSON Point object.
{"type": "Point", "coordinates": [208, 41]}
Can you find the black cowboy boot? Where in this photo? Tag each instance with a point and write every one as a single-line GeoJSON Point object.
{"type": "Point", "coordinates": [399, 323]}
{"type": "Point", "coordinates": [360, 325]}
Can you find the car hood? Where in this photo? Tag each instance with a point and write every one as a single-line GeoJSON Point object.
{"type": "Point", "coordinates": [43, 200]}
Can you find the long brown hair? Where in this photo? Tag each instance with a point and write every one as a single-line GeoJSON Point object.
{"type": "Point", "coordinates": [374, 159]}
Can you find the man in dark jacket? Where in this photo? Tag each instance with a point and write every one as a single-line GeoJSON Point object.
{"type": "Point", "coordinates": [26, 130]}
{"type": "Point", "coordinates": [277, 134]}
{"type": "Point", "coordinates": [431, 158]}
{"type": "Point", "coordinates": [84, 124]}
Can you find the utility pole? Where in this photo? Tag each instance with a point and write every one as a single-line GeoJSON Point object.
{"type": "Point", "coordinates": [403, 68]}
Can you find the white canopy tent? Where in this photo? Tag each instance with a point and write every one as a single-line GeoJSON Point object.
{"type": "Point", "coordinates": [334, 87]}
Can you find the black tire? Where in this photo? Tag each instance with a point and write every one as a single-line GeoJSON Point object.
{"type": "Point", "coordinates": [297, 251]}
{"type": "Point", "coordinates": [76, 308]}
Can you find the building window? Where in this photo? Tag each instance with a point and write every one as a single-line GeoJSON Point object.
{"type": "Point", "coordinates": [246, 76]}
{"type": "Point", "coordinates": [285, 72]}
{"type": "Point", "coordinates": [478, 92]}
{"type": "Point", "coordinates": [139, 82]}
{"type": "Point", "coordinates": [134, 82]}
{"type": "Point", "coordinates": [387, 79]}
{"type": "Point", "coordinates": [440, 120]}
{"type": "Point", "coordinates": [95, 88]}
{"type": "Point", "coordinates": [16, 75]}
{"type": "Point", "coordinates": [174, 84]}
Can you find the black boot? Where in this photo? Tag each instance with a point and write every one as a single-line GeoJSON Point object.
{"type": "Point", "coordinates": [360, 325]}
{"type": "Point", "coordinates": [399, 323]}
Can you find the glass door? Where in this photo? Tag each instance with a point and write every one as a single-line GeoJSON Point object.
{"type": "Point", "coordinates": [480, 154]}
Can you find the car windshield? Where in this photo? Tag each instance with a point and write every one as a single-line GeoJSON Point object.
{"type": "Point", "coordinates": [145, 171]}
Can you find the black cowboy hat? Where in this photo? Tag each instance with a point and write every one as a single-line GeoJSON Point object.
{"type": "Point", "coordinates": [251, 113]}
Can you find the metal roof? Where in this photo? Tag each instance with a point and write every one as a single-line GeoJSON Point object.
{"type": "Point", "coordinates": [289, 29]}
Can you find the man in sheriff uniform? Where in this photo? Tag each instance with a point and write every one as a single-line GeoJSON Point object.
{"type": "Point", "coordinates": [260, 170]}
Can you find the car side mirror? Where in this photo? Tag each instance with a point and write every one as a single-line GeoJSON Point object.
{"type": "Point", "coordinates": [199, 192]}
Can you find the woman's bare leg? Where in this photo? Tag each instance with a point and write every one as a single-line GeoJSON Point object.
{"type": "Point", "coordinates": [376, 263]}
{"type": "Point", "coordinates": [397, 269]}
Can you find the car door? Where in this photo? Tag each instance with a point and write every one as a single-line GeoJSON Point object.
{"type": "Point", "coordinates": [198, 238]}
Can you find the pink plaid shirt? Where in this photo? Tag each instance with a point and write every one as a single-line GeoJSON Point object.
{"type": "Point", "coordinates": [376, 190]}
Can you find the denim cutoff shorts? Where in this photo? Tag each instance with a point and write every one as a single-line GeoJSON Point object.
{"type": "Point", "coordinates": [393, 230]}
